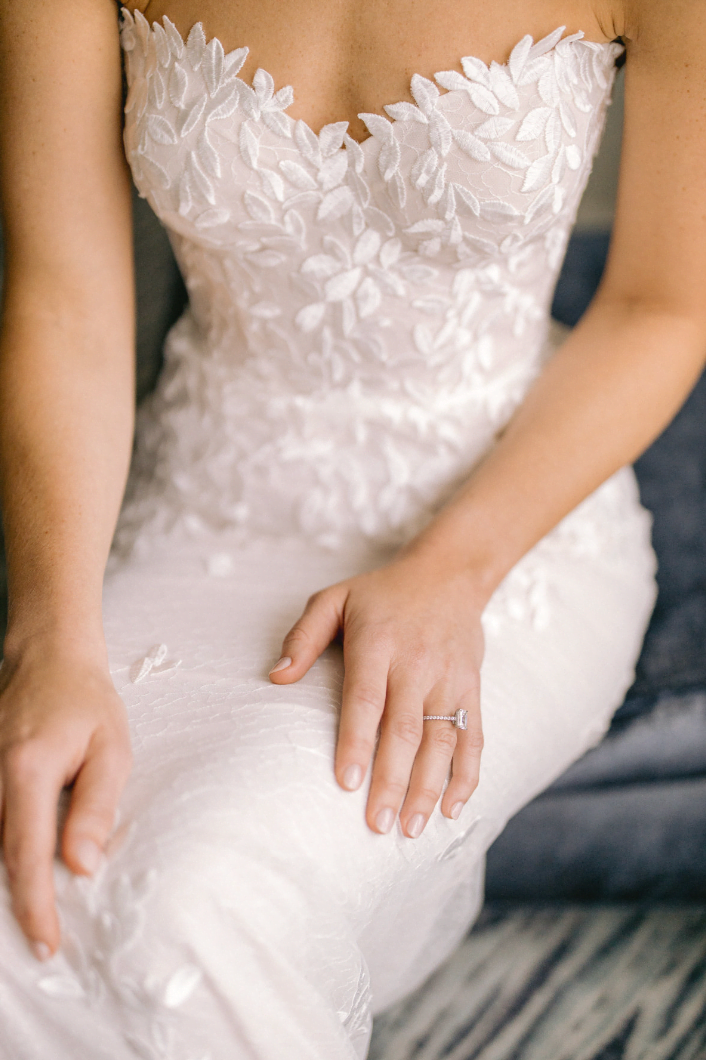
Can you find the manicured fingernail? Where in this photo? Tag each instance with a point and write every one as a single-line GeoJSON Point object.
{"type": "Point", "coordinates": [456, 810]}
{"type": "Point", "coordinates": [385, 820]}
{"type": "Point", "coordinates": [415, 826]}
{"type": "Point", "coordinates": [283, 663]}
{"type": "Point", "coordinates": [352, 777]}
{"type": "Point", "coordinates": [88, 855]}
{"type": "Point", "coordinates": [41, 951]}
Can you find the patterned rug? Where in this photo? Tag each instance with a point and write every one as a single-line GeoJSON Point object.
{"type": "Point", "coordinates": [561, 982]}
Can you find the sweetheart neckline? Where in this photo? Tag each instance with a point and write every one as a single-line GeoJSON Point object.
{"type": "Point", "coordinates": [571, 38]}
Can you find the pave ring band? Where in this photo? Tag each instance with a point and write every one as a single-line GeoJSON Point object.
{"type": "Point", "coordinates": [459, 719]}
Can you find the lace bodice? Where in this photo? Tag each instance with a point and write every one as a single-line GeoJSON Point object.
{"type": "Point", "coordinates": [364, 317]}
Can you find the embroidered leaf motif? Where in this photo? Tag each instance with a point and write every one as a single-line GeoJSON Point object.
{"type": "Point", "coordinates": [61, 986]}
{"type": "Point", "coordinates": [212, 66]}
{"type": "Point", "coordinates": [343, 285]}
{"type": "Point", "coordinates": [234, 60]}
{"type": "Point", "coordinates": [466, 196]}
{"type": "Point", "coordinates": [475, 70]}
{"type": "Point", "coordinates": [308, 143]}
{"type": "Point", "coordinates": [320, 266]}
{"type": "Point", "coordinates": [176, 44]}
{"type": "Point", "coordinates": [195, 45]}
{"type": "Point", "coordinates": [160, 129]}
{"type": "Point", "coordinates": [156, 172]}
{"type": "Point", "coordinates": [450, 80]}
{"type": "Point", "coordinates": [258, 208]}
{"type": "Point", "coordinates": [429, 224]}
{"type": "Point", "coordinates": [405, 112]}
{"type": "Point", "coordinates": [264, 85]}
{"type": "Point", "coordinates": [424, 92]}
{"type": "Point", "coordinates": [158, 89]}
{"type": "Point", "coordinates": [226, 107]}
{"type": "Point", "coordinates": [573, 156]}
{"type": "Point", "coordinates": [161, 45]}
{"type": "Point", "coordinates": [548, 89]}
{"type": "Point", "coordinates": [509, 155]}
{"type": "Point", "coordinates": [377, 125]}
{"type": "Point", "coordinates": [355, 151]}
{"type": "Point", "coordinates": [502, 86]}
{"type": "Point", "coordinates": [296, 174]}
{"type": "Point", "coordinates": [267, 259]}
{"type": "Point", "coordinates": [389, 158]}
{"type": "Point", "coordinates": [518, 57]}
{"type": "Point", "coordinates": [533, 123]}
{"type": "Point", "coordinates": [309, 318]}
{"type": "Point", "coordinates": [538, 173]}
{"type": "Point", "coordinates": [440, 134]}
{"type": "Point", "coordinates": [192, 117]}
{"type": "Point", "coordinates": [483, 98]}
{"type": "Point", "coordinates": [178, 83]}
{"type": "Point", "coordinates": [211, 218]}
{"type": "Point", "coordinates": [424, 167]}
{"type": "Point", "coordinates": [272, 184]}
{"type": "Point", "coordinates": [335, 204]}
{"type": "Point", "coordinates": [472, 145]}
{"type": "Point", "coordinates": [368, 297]}
{"type": "Point", "coordinates": [249, 145]}
{"type": "Point", "coordinates": [333, 170]}
{"type": "Point", "coordinates": [366, 247]}
{"type": "Point", "coordinates": [208, 156]}
{"type": "Point", "coordinates": [494, 128]}
{"type": "Point", "coordinates": [181, 985]}
{"type": "Point", "coordinates": [278, 123]}
{"type": "Point", "coordinates": [331, 137]}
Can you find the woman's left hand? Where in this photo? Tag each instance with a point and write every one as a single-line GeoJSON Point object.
{"type": "Point", "coordinates": [412, 645]}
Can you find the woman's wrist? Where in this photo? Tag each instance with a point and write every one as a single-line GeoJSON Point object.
{"type": "Point", "coordinates": [56, 637]}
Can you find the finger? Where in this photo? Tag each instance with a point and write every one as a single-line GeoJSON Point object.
{"type": "Point", "coordinates": [465, 768]}
{"type": "Point", "coordinates": [366, 668]}
{"type": "Point", "coordinates": [92, 810]}
{"type": "Point", "coordinates": [400, 736]}
{"type": "Point", "coordinates": [430, 770]}
{"type": "Point", "coordinates": [32, 785]}
{"type": "Point", "coordinates": [311, 634]}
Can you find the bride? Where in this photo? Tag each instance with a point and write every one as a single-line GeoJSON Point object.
{"type": "Point", "coordinates": [364, 407]}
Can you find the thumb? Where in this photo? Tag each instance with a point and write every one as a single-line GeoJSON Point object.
{"type": "Point", "coordinates": [310, 635]}
{"type": "Point", "coordinates": [94, 803]}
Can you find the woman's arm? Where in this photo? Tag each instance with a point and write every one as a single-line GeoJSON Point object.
{"type": "Point", "coordinates": [66, 407]}
{"type": "Point", "coordinates": [411, 630]}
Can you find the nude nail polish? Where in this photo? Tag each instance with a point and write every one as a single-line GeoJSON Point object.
{"type": "Point", "coordinates": [416, 825]}
{"type": "Point", "coordinates": [352, 776]}
{"type": "Point", "coordinates": [456, 810]}
{"type": "Point", "coordinates": [282, 664]}
{"type": "Point", "coordinates": [41, 951]}
{"type": "Point", "coordinates": [88, 855]}
{"type": "Point", "coordinates": [385, 820]}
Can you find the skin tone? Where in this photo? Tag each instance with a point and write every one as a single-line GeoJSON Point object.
{"type": "Point", "coordinates": [411, 630]}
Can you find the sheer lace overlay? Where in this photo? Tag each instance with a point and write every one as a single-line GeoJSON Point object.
{"type": "Point", "coordinates": [364, 317]}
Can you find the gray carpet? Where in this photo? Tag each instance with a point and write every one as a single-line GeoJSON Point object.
{"type": "Point", "coordinates": [562, 982]}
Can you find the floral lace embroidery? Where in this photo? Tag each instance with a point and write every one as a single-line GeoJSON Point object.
{"type": "Point", "coordinates": [364, 318]}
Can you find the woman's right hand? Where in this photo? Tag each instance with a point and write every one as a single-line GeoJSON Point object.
{"type": "Point", "coordinates": [61, 723]}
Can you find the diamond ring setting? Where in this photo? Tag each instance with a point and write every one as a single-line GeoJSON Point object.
{"type": "Point", "coordinates": [459, 719]}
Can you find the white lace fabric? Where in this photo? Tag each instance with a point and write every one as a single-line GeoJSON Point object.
{"type": "Point", "coordinates": [363, 321]}
{"type": "Point", "coordinates": [364, 317]}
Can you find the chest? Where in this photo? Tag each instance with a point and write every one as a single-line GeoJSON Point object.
{"type": "Point", "coordinates": [344, 57]}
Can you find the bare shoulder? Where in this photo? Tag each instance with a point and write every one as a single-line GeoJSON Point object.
{"type": "Point", "coordinates": [62, 163]}
{"type": "Point", "coordinates": [658, 251]}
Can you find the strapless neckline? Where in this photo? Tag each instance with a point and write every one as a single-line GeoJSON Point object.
{"type": "Point", "coordinates": [196, 39]}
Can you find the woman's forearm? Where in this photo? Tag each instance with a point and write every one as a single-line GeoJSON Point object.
{"type": "Point", "coordinates": [66, 409]}
{"type": "Point", "coordinates": [607, 393]}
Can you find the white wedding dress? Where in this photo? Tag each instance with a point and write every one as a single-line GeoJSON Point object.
{"type": "Point", "coordinates": [363, 321]}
